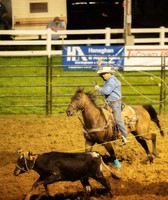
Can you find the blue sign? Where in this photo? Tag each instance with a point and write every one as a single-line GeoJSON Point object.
{"type": "Point", "coordinates": [87, 57]}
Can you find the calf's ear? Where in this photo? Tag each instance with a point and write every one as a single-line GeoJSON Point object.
{"type": "Point", "coordinates": [19, 151]}
{"type": "Point", "coordinates": [29, 156]}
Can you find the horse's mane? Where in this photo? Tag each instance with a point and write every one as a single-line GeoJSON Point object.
{"type": "Point", "coordinates": [91, 95]}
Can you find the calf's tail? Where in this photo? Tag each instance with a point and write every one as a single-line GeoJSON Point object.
{"type": "Point", "coordinates": [153, 114]}
{"type": "Point", "coordinates": [112, 174]}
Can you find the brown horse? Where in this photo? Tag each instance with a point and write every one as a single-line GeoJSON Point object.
{"type": "Point", "coordinates": [99, 129]}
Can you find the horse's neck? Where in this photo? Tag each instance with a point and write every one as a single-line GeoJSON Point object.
{"type": "Point", "coordinates": [91, 114]}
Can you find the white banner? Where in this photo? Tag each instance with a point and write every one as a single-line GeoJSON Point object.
{"type": "Point", "coordinates": [145, 57]}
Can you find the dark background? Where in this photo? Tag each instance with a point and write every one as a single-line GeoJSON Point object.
{"type": "Point", "coordinates": [109, 13]}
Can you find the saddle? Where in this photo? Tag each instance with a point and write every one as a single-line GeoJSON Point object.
{"type": "Point", "coordinates": [128, 116]}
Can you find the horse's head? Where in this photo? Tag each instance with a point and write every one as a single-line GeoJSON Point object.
{"type": "Point", "coordinates": [77, 103]}
{"type": "Point", "coordinates": [80, 101]}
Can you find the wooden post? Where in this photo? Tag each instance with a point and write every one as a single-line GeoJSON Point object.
{"type": "Point", "coordinates": [129, 39]}
{"type": "Point", "coordinates": [162, 104]}
{"type": "Point", "coordinates": [47, 85]}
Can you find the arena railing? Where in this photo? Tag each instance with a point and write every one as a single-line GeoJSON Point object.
{"type": "Point", "coordinates": [107, 36]}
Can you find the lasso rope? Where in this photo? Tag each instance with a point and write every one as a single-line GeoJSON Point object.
{"type": "Point", "coordinates": [113, 141]}
{"type": "Point", "coordinates": [165, 84]}
{"type": "Point", "coordinates": [123, 78]}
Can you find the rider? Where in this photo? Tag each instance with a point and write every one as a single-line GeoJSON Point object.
{"type": "Point", "coordinates": [112, 92]}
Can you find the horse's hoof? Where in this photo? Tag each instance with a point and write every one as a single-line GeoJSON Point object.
{"type": "Point", "coordinates": [156, 155]}
{"type": "Point", "coordinates": [117, 174]}
{"type": "Point", "coordinates": [111, 194]}
{"type": "Point", "coordinates": [151, 160]}
{"type": "Point", "coordinates": [116, 177]}
{"type": "Point", "coordinates": [146, 161]}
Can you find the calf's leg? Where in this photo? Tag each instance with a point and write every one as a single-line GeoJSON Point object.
{"type": "Point", "coordinates": [87, 186]}
{"type": "Point", "coordinates": [104, 182]}
{"type": "Point", "coordinates": [35, 185]}
{"type": "Point", "coordinates": [32, 191]}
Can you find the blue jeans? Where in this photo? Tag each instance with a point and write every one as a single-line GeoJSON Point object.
{"type": "Point", "coordinates": [116, 107]}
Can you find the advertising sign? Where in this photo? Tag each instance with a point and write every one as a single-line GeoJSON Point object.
{"type": "Point", "coordinates": [86, 57]}
{"type": "Point", "coordinates": [145, 57]}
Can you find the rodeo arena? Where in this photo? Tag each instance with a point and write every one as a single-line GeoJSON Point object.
{"type": "Point", "coordinates": [66, 131]}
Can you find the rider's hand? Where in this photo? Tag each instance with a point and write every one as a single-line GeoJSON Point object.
{"type": "Point", "coordinates": [96, 87]}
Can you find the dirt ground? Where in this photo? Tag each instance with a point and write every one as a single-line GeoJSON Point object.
{"type": "Point", "coordinates": [139, 180]}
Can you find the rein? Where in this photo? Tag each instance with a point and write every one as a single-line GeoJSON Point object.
{"type": "Point", "coordinates": [91, 130]}
{"type": "Point", "coordinates": [75, 108]}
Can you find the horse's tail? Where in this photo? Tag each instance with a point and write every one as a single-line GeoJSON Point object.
{"type": "Point", "coordinates": [153, 114]}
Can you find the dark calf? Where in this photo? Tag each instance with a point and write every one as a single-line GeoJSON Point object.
{"type": "Point", "coordinates": [56, 166]}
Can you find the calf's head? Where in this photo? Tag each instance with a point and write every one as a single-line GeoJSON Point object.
{"type": "Point", "coordinates": [24, 163]}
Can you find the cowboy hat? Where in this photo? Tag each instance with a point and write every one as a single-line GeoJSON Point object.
{"type": "Point", "coordinates": [104, 70]}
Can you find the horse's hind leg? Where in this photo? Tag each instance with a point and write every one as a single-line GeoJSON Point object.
{"type": "Point", "coordinates": [145, 146]}
{"type": "Point", "coordinates": [153, 114]}
{"type": "Point", "coordinates": [153, 136]}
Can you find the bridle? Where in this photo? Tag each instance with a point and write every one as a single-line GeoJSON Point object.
{"type": "Point", "coordinates": [25, 161]}
{"type": "Point", "coordinates": [21, 169]}
{"type": "Point", "coordinates": [77, 107]}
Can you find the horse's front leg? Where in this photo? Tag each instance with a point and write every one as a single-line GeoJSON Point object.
{"type": "Point", "coordinates": [88, 145]}
{"type": "Point", "coordinates": [110, 149]}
